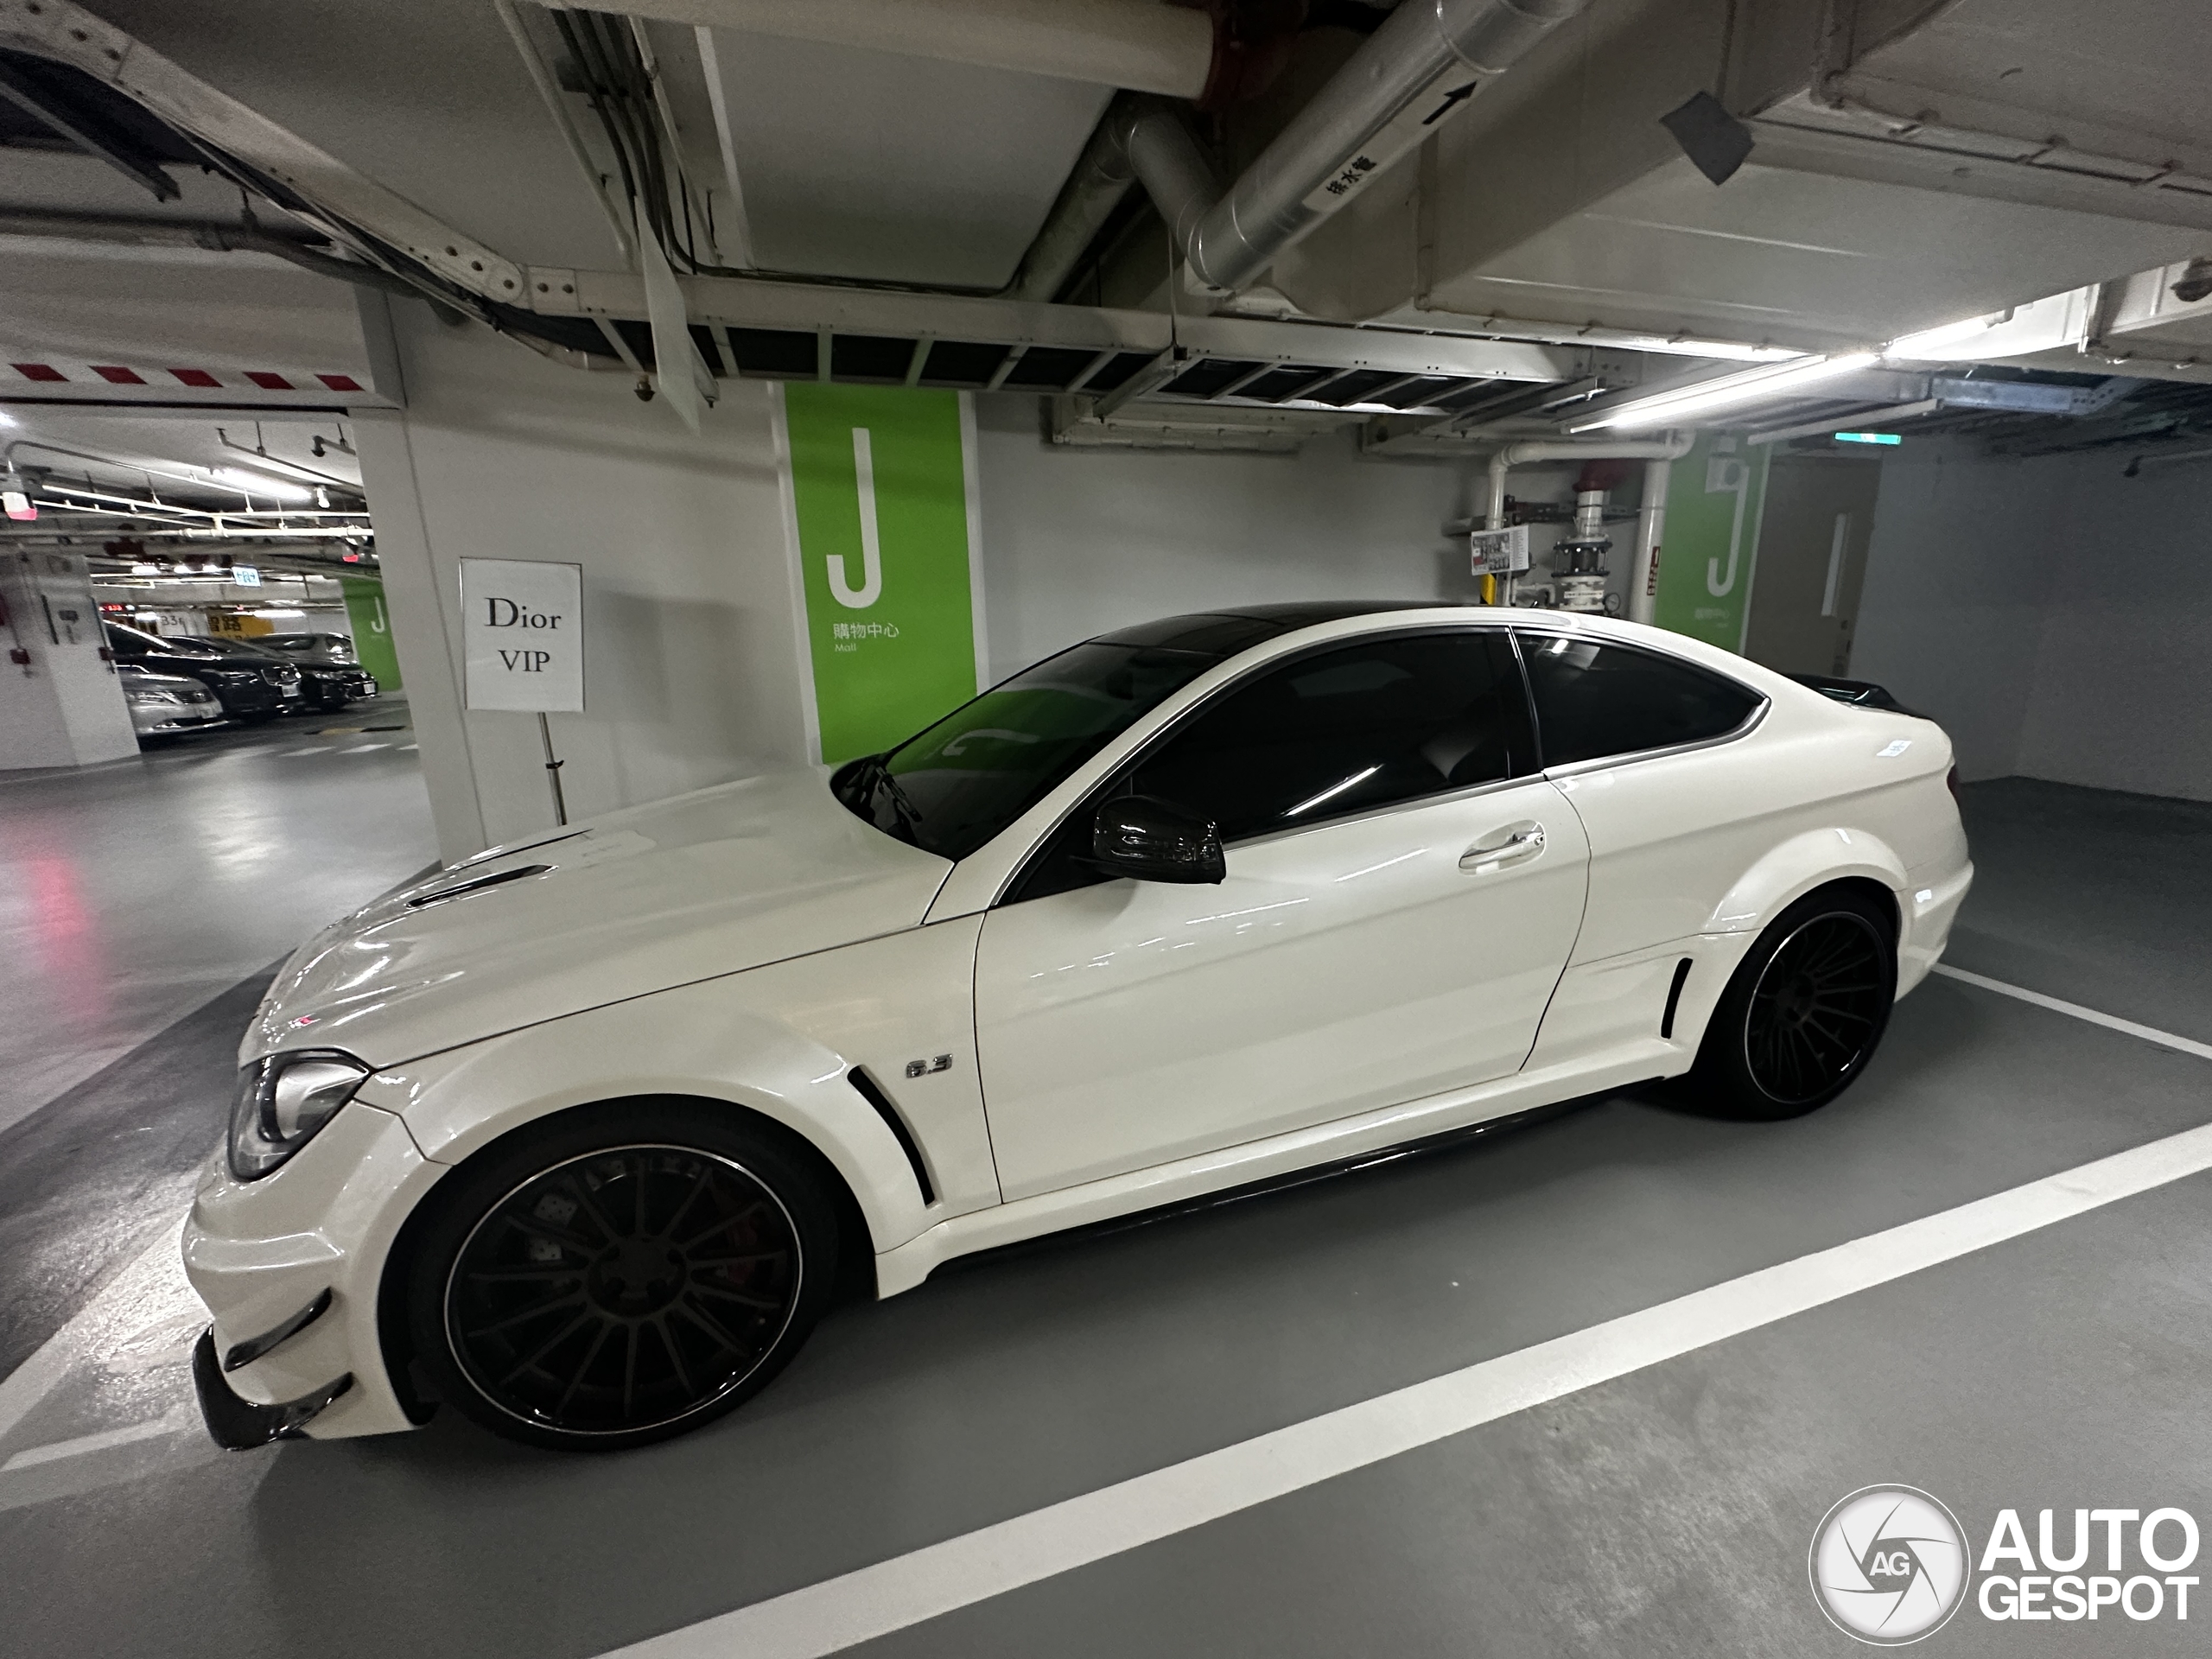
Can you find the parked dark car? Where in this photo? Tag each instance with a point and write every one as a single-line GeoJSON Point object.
{"type": "Point", "coordinates": [324, 685]}
{"type": "Point", "coordinates": [332, 654]}
{"type": "Point", "coordinates": [252, 688]}
{"type": "Point", "coordinates": [303, 648]}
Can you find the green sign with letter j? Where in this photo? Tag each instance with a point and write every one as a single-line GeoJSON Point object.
{"type": "Point", "coordinates": [879, 490]}
{"type": "Point", "coordinates": [1710, 547]}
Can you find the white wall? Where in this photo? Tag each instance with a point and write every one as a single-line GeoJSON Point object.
{"type": "Point", "coordinates": [693, 663]}
{"type": "Point", "coordinates": [2123, 695]}
{"type": "Point", "coordinates": [690, 662]}
{"type": "Point", "coordinates": [1077, 541]}
{"type": "Point", "coordinates": [2054, 614]}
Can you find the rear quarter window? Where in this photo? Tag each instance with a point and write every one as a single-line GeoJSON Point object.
{"type": "Point", "coordinates": [1594, 700]}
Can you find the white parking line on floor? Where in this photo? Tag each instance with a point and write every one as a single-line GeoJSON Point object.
{"type": "Point", "coordinates": [174, 1423]}
{"type": "Point", "coordinates": [312, 748]}
{"type": "Point", "coordinates": [363, 748]}
{"type": "Point", "coordinates": [2110, 1021]}
{"type": "Point", "coordinates": [892, 1595]}
{"type": "Point", "coordinates": [405, 747]}
{"type": "Point", "coordinates": [150, 1290]}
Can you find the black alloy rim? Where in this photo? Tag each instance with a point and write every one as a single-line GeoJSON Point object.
{"type": "Point", "coordinates": [1816, 1008]}
{"type": "Point", "coordinates": [623, 1290]}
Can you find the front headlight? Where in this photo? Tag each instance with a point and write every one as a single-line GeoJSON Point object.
{"type": "Point", "coordinates": [282, 1100]}
{"type": "Point", "coordinates": [150, 697]}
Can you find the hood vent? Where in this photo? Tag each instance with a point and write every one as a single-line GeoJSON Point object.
{"type": "Point", "coordinates": [462, 889]}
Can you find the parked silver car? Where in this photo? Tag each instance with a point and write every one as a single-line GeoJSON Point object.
{"type": "Point", "coordinates": [167, 705]}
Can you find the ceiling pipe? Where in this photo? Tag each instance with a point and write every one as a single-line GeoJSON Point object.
{"type": "Point", "coordinates": [1142, 45]}
{"type": "Point", "coordinates": [1658, 456]}
{"type": "Point", "coordinates": [1094, 189]}
{"type": "Point", "coordinates": [1419, 69]}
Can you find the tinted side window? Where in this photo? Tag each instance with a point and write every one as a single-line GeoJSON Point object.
{"type": "Point", "coordinates": [1593, 700]}
{"type": "Point", "coordinates": [1346, 731]}
{"type": "Point", "coordinates": [1341, 732]}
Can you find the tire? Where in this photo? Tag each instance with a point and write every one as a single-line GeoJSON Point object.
{"type": "Point", "coordinates": [564, 1295]}
{"type": "Point", "coordinates": [1805, 1010]}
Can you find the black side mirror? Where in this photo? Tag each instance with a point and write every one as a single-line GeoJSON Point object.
{"type": "Point", "coordinates": [1156, 841]}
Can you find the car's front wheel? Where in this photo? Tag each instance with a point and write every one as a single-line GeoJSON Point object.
{"type": "Point", "coordinates": [1805, 1009]}
{"type": "Point", "coordinates": [622, 1274]}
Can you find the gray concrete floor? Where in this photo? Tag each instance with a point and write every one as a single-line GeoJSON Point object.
{"type": "Point", "coordinates": [132, 892]}
{"type": "Point", "coordinates": [1666, 1512]}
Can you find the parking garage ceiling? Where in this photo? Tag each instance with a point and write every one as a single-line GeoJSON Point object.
{"type": "Point", "coordinates": [855, 213]}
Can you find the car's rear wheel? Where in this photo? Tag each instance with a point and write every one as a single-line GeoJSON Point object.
{"type": "Point", "coordinates": [622, 1275]}
{"type": "Point", "coordinates": [1805, 1009]}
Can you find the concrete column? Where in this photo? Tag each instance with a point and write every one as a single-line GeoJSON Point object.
{"type": "Point", "coordinates": [64, 706]}
{"type": "Point", "coordinates": [692, 658]}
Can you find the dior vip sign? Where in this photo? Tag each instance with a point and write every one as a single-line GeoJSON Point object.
{"type": "Point", "coordinates": [522, 643]}
{"type": "Point", "coordinates": [522, 630]}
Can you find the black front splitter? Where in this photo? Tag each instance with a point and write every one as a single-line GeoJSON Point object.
{"type": "Point", "coordinates": [234, 1423]}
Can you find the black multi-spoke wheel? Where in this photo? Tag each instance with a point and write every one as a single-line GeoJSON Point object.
{"type": "Point", "coordinates": [625, 1289]}
{"type": "Point", "coordinates": [1816, 1008]}
{"type": "Point", "coordinates": [1805, 1009]}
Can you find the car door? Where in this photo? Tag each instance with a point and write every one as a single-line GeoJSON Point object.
{"type": "Point", "coordinates": [1403, 892]}
{"type": "Point", "coordinates": [1674, 813]}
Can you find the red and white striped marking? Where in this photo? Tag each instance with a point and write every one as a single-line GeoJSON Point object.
{"type": "Point", "coordinates": [117, 374]}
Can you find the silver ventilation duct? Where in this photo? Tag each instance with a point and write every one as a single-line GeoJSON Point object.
{"type": "Point", "coordinates": [1423, 66]}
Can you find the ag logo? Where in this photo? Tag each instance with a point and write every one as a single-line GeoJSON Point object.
{"type": "Point", "coordinates": [1889, 1565]}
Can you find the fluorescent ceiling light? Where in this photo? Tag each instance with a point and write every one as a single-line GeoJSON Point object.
{"type": "Point", "coordinates": [1749, 386]}
{"type": "Point", "coordinates": [1934, 342]}
{"type": "Point", "coordinates": [1867, 437]}
{"type": "Point", "coordinates": [1725, 348]}
{"type": "Point", "coordinates": [262, 484]}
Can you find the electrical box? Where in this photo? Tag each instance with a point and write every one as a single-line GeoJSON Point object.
{"type": "Point", "coordinates": [1499, 552]}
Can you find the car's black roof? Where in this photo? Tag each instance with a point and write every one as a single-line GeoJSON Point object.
{"type": "Point", "coordinates": [1234, 628]}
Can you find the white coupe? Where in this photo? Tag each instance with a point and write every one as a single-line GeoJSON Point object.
{"type": "Point", "coordinates": [582, 1136]}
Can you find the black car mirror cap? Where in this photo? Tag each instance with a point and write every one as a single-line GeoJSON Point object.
{"type": "Point", "coordinates": [1153, 840]}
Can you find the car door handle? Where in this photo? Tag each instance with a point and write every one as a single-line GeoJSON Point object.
{"type": "Point", "coordinates": [1514, 844]}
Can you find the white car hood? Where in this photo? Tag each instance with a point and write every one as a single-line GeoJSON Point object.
{"type": "Point", "coordinates": [753, 872]}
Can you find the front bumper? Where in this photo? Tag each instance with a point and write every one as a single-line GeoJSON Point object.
{"type": "Point", "coordinates": [235, 1423]}
{"type": "Point", "coordinates": [260, 1252]}
{"type": "Point", "coordinates": [176, 725]}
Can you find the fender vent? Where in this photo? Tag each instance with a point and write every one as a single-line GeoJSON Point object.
{"type": "Point", "coordinates": [462, 889]}
{"type": "Point", "coordinates": [1674, 997]}
{"type": "Point", "coordinates": [869, 1090]}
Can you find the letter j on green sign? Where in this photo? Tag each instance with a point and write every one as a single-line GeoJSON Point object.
{"type": "Point", "coordinates": [879, 489]}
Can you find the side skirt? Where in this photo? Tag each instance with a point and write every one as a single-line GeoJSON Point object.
{"type": "Point", "coordinates": [1309, 1154]}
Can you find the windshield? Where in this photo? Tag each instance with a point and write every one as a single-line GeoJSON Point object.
{"type": "Point", "coordinates": [171, 645]}
{"type": "Point", "coordinates": [952, 787]}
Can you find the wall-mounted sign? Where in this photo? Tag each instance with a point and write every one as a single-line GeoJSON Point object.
{"type": "Point", "coordinates": [245, 576]}
{"type": "Point", "coordinates": [373, 646]}
{"type": "Point", "coordinates": [1500, 552]}
{"type": "Point", "coordinates": [880, 492]}
{"type": "Point", "coordinates": [523, 635]}
{"type": "Point", "coordinates": [1715, 495]}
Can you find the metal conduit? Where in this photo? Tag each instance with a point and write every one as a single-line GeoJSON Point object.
{"type": "Point", "coordinates": [1425, 64]}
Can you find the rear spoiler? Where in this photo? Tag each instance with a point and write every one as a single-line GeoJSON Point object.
{"type": "Point", "coordinates": [1863, 693]}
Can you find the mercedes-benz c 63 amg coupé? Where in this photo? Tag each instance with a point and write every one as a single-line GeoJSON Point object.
{"type": "Point", "coordinates": [580, 1136]}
